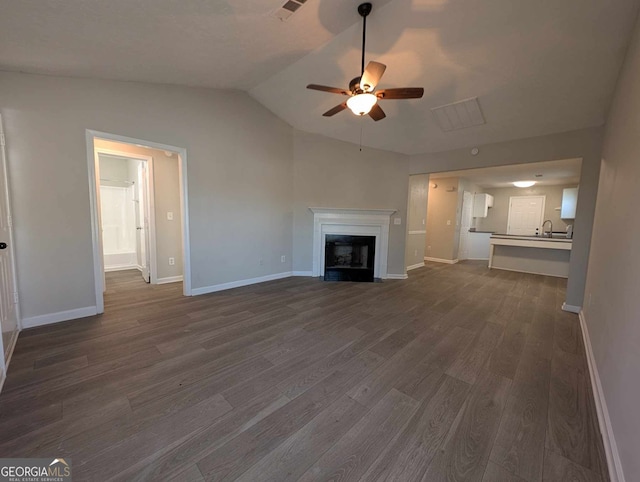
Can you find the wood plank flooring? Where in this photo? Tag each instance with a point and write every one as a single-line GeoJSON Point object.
{"type": "Point", "coordinates": [458, 373]}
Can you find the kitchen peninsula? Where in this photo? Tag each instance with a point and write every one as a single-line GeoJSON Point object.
{"type": "Point", "coordinates": [531, 254]}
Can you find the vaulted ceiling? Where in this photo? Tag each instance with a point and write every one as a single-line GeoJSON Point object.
{"type": "Point", "coordinates": [536, 67]}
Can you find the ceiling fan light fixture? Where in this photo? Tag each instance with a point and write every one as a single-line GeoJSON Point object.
{"type": "Point", "coordinates": [524, 183]}
{"type": "Point", "coordinates": [361, 104]}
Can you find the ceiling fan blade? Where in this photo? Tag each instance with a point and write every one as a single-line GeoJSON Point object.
{"type": "Point", "coordinates": [372, 75]}
{"type": "Point", "coordinates": [325, 88]}
{"type": "Point", "coordinates": [335, 110]}
{"type": "Point", "coordinates": [401, 93]}
{"type": "Point", "coordinates": [376, 113]}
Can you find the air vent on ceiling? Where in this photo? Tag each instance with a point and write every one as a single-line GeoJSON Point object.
{"type": "Point", "coordinates": [459, 115]}
{"type": "Point", "coordinates": [288, 9]}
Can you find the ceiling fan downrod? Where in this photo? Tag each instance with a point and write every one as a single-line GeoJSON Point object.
{"type": "Point", "coordinates": [364, 9]}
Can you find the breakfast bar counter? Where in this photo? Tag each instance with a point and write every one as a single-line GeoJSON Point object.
{"type": "Point", "coordinates": [531, 254]}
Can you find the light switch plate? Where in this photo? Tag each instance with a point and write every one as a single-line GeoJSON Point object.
{"type": "Point", "coordinates": [397, 221]}
{"type": "Point", "coordinates": [169, 216]}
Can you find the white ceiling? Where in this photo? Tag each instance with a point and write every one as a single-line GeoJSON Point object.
{"type": "Point", "coordinates": [537, 67]}
{"type": "Point", "coordinates": [553, 173]}
{"type": "Point", "coordinates": [210, 43]}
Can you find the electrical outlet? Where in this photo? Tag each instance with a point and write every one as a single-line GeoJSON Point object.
{"type": "Point", "coordinates": [261, 262]}
{"type": "Point", "coordinates": [283, 259]}
{"type": "Point", "coordinates": [172, 261]}
{"type": "Point", "coordinates": [415, 252]}
{"type": "Point", "coordinates": [448, 222]}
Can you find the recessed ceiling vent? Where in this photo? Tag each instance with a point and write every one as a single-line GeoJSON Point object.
{"type": "Point", "coordinates": [288, 9]}
{"type": "Point", "coordinates": [459, 115]}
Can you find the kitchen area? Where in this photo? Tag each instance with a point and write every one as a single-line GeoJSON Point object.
{"type": "Point", "coordinates": [516, 218]}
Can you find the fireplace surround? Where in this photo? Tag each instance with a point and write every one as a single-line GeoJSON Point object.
{"type": "Point", "coordinates": [352, 222]}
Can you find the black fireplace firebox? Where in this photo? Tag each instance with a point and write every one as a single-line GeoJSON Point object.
{"type": "Point", "coordinates": [349, 258]}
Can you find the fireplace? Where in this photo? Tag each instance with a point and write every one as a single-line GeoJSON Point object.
{"type": "Point", "coordinates": [349, 258]}
{"type": "Point", "coordinates": [373, 223]}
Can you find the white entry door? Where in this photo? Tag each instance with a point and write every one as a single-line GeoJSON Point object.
{"type": "Point", "coordinates": [142, 219]}
{"type": "Point", "coordinates": [465, 224]}
{"type": "Point", "coordinates": [8, 290]}
{"type": "Point", "coordinates": [525, 215]}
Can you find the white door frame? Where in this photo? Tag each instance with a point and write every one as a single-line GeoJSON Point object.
{"type": "Point", "coordinates": [94, 178]}
{"type": "Point", "coordinates": [538, 196]}
{"type": "Point", "coordinates": [466, 235]}
{"type": "Point", "coordinates": [150, 207]}
{"type": "Point", "coordinates": [4, 361]}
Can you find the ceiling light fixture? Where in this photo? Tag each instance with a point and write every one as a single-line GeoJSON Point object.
{"type": "Point", "coordinates": [524, 183]}
{"type": "Point", "coordinates": [361, 104]}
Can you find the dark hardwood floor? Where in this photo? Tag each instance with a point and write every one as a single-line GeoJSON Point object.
{"type": "Point", "coordinates": [458, 373]}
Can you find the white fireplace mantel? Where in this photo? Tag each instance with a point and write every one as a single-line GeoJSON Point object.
{"type": "Point", "coordinates": [356, 222]}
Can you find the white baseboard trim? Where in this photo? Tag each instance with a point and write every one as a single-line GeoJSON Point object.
{"type": "Point", "coordinates": [302, 273]}
{"type": "Point", "coordinates": [121, 267]}
{"type": "Point", "coordinates": [59, 316]}
{"type": "Point", "coordinates": [12, 345]}
{"type": "Point", "coordinates": [237, 284]}
{"type": "Point", "coordinates": [415, 266]}
{"type": "Point", "coordinates": [397, 276]}
{"type": "Point", "coordinates": [478, 259]}
{"type": "Point", "coordinates": [439, 260]}
{"type": "Point", "coordinates": [571, 308]}
{"type": "Point", "coordinates": [169, 279]}
{"type": "Point", "coordinates": [616, 473]}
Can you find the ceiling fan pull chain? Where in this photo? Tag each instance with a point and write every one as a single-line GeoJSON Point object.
{"type": "Point", "coordinates": [361, 117]}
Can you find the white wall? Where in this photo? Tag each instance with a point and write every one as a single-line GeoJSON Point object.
{"type": "Point", "coordinates": [336, 174]}
{"type": "Point", "coordinates": [612, 307]}
{"type": "Point", "coordinates": [584, 143]}
{"type": "Point", "coordinates": [239, 174]}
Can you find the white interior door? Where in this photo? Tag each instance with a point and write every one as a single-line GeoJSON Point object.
{"type": "Point", "coordinates": [142, 228]}
{"type": "Point", "coordinates": [8, 290]}
{"type": "Point", "coordinates": [525, 215]}
{"type": "Point", "coordinates": [465, 225]}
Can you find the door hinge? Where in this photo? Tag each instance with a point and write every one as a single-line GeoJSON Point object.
{"type": "Point", "coordinates": [10, 221]}
{"type": "Point", "coordinates": [15, 297]}
{"type": "Point", "coordinates": [2, 140]}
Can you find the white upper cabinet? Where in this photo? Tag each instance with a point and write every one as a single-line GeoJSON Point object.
{"type": "Point", "coordinates": [569, 203]}
{"type": "Point", "coordinates": [481, 204]}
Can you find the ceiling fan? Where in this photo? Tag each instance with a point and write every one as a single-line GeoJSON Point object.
{"type": "Point", "coordinates": [363, 98]}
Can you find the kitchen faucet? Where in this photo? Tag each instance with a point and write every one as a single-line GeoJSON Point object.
{"type": "Point", "coordinates": [550, 227]}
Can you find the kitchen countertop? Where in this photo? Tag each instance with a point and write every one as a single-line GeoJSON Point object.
{"type": "Point", "coordinates": [556, 238]}
{"type": "Point", "coordinates": [483, 232]}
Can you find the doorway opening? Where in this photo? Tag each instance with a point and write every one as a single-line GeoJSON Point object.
{"type": "Point", "coordinates": [127, 214]}
{"type": "Point", "coordinates": [139, 211]}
